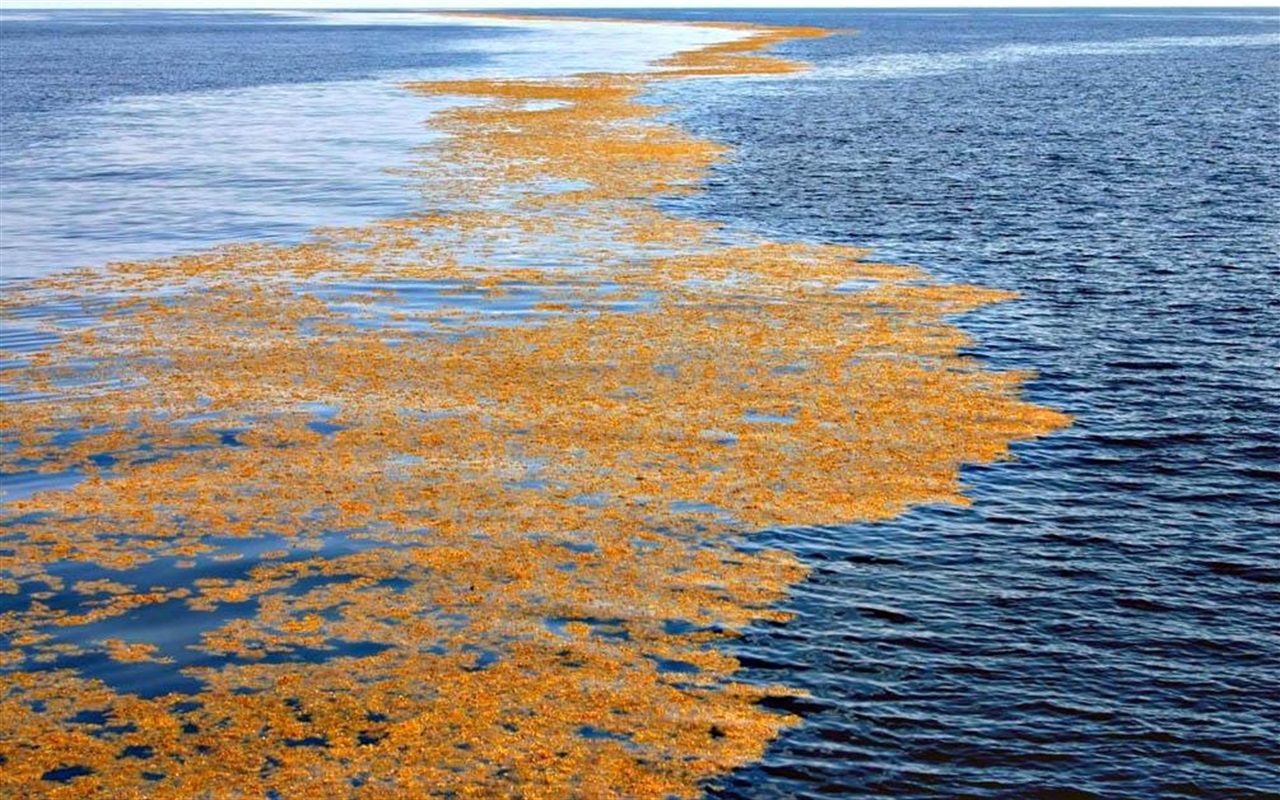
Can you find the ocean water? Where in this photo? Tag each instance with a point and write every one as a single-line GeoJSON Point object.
{"type": "Point", "coordinates": [133, 135]}
{"type": "Point", "coordinates": [1104, 621]}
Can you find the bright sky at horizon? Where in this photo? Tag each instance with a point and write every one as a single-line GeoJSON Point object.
{"type": "Point", "coordinates": [606, 4]}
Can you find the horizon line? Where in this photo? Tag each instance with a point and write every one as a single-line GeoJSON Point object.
{"type": "Point", "coordinates": [659, 5]}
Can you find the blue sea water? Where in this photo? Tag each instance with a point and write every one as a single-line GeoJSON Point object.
{"type": "Point", "coordinates": [1104, 621]}
{"type": "Point", "coordinates": [133, 135]}
{"type": "Point", "coordinates": [146, 134]}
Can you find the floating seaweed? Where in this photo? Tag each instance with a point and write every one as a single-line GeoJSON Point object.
{"type": "Point", "coordinates": [456, 504]}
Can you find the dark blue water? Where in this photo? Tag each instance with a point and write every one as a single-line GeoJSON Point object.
{"type": "Point", "coordinates": [1105, 620]}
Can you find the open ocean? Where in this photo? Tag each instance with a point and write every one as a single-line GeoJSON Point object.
{"type": "Point", "coordinates": [1104, 620]}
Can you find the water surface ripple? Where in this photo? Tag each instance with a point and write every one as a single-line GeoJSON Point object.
{"type": "Point", "coordinates": [1103, 621]}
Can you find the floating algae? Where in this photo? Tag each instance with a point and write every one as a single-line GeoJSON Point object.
{"type": "Point", "coordinates": [394, 544]}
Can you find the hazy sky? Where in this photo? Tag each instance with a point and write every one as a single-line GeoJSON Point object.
{"type": "Point", "coordinates": [407, 4]}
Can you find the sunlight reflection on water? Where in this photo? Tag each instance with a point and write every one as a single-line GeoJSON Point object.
{"type": "Point", "coordinates": [157, 175]}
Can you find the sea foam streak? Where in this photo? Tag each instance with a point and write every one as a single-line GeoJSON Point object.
{"type": "Point", "coordinates": [918, 65]}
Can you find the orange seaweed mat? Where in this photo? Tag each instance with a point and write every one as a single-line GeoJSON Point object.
{"type": "Point", "coordinates": [507, 562]}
